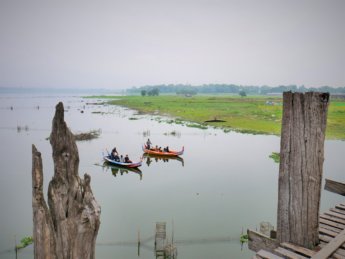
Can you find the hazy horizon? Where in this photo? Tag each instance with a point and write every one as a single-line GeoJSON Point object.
{"type": "Point", "coordinates": [120, 44]}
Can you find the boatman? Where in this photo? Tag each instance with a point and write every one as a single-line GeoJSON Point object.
{"type": "Point", "coordinates": [114, 153]}
{"type": "Point", "coordinates": [148, 144]}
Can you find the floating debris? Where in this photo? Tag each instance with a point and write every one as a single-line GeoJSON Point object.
{"type": "Point", "coordinates": [88, 135]}
{"type": "Point", "coordinates": [173, 133]}
{"type": "Point", "coordinates": [215, 120]}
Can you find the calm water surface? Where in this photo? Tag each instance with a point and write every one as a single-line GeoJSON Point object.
{"type": "Point", "coordinates": [225, 183]}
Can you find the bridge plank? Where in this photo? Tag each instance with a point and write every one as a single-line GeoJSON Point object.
{"type": "Point", "coordinates": [298, 249]}
{"type": "Point", "coordinates": [332, 218]}
{"type": "Point", "coordinates": [340, 206]}
{"type": "Point", "coordinates": [267, 255]}
{"type": "Point", "coordinates": [333, 224]}
{"type": "Point", "coordinates": [289, 254]}
{"type": "Point", "coordinates": [335, 214]}
{"type": "Point", "coordinates": [331, 247]}
{"type": "Point", "coordinates": [337, 211]}
{"type": "Point", "coordinates": [336, 230]}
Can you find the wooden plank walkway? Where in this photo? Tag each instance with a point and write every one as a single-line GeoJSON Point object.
{"type": "Point", "coordinates": [163, 248]}
{"type": "Point", "coordinates": [332, 240]}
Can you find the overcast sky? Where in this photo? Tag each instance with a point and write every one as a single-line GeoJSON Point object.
{"type": "Point", "coordinates": [120, 44]}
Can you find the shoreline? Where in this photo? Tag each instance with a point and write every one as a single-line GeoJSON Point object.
{"type": "Point", "coordinates": [251, 115]}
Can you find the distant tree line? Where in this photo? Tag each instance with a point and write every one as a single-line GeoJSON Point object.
{"type": "Point", "coordinates": [186, 89]}
{"type": "Point", "coordinates": [150, 92]}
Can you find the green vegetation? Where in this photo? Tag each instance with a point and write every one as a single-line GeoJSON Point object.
{"type": "Point", "coordinates": [24, 242]}
{"type": "Point", "coordinates": [242, 93]}
{"type": "Point", "coordinates": [244, 238]}
{"type": "Point", "coordinates": [151, 92]}
{"type": "Point", "coordinates": [275, 156]}
{"type": "Point", "coordinates": [251, 114]}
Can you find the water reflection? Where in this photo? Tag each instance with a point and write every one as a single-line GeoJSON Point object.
{"type": "Point", "coordinates": [118, 170]}
{"type": "Point", "coordinates": [156, 158]}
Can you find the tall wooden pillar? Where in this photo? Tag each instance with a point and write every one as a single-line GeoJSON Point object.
{"type": "Point", "coordinates": [301, 166]}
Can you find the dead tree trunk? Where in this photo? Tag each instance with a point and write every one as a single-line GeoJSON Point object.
{"type": "Point", "coordinates": [68, 229]}
{"type": "Point", "coordinates": [301, 166]}
{"type": "Point", "coordinates": [43, 234]}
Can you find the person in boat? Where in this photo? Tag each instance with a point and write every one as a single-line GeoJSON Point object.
{"type": "Point", "coordinates": [114, 153]}
{"type": "Point", "coordinates": [116, 158]}
{"type": "Point", "coordinates": [156, 148]}
{"type": "Point", "coordinates": [121, 159]}
{"type": "Point", "coordinates": [160, 149]}
{"type": "Point", "coordinates": [166, 149]}
{"type": "Point", "coordinates": [148, 144]}
{"type": "Point", "coordinates": [127, 160]}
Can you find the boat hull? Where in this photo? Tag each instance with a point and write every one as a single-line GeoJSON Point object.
{"type": "Point", "coordinates": [128, 165]}
{"type": "Point", "coordinates": [162, 153]}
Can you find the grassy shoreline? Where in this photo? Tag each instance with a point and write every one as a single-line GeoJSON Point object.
{"type": "Point", "coordinates": [256, 115]}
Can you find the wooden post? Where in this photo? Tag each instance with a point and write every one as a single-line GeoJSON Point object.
{"type": "Point", "coordinates": [301, 166]}
{"type": "Point", "coordinates": [15, 247]}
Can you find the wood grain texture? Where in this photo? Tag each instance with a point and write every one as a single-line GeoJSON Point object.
{"type": "Point", "coordinates": [301, 167]}
{"type": "Point", "coordinates": [68, 229]}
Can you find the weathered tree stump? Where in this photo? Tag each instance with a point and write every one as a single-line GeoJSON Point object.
{"type": "Point", "coordinates": [68, 229]}
{"type": "Point", "coordinates": [301, 167]}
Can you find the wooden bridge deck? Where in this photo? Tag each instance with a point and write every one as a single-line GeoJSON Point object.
{"type": "Point", "coordinates": [332, 240]}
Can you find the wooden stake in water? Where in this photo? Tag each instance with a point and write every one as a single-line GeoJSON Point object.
{"type": "Point", "coordinates": [138, 241]}
{"type": "Point", "coordinates": [15, 247]}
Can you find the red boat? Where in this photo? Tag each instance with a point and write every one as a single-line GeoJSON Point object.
{"type": "Point", "coordinates": [154, 151]}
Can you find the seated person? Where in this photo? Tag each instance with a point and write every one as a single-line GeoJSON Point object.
{"type": "Point", "coordinates": [127, 160]}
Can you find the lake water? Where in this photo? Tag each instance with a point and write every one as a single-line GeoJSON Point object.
{"type": "Point", "coordinates": [226, 182]}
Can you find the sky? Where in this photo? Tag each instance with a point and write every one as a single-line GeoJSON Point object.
{"type": "Point", "coordinates": [121, 44]}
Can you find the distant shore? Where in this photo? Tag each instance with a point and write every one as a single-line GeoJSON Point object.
{"type": "Point", "coordinates": [255, 115]}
